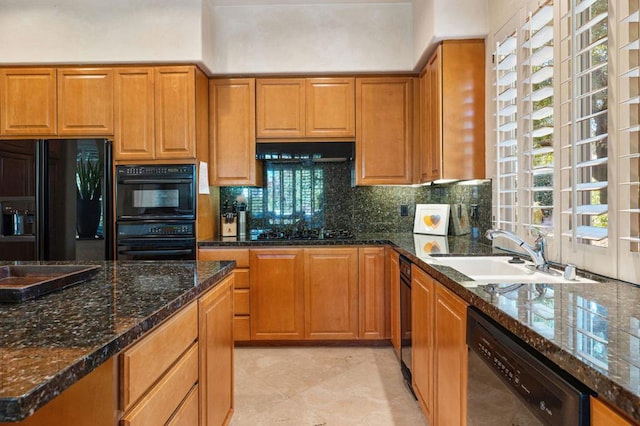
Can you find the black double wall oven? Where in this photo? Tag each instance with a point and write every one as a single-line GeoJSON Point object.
{"type": "Point", "coordinates": [156, 212]}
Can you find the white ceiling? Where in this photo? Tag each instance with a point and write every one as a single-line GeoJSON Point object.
{"type": "Point", "coordinates": [303, 2]}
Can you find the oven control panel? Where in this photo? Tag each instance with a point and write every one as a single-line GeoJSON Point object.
{"type": "Point", "coordinates": [151, 229]}
{"type": "Point", "coordinates": [164, 170]}
{"type": "Point", "coordinates": [548, 394]}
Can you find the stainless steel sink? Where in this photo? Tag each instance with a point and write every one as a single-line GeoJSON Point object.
{"type": "Point", "coordinates": [497, 269]}
{"type": "Point", "coordinates": [24, 282]}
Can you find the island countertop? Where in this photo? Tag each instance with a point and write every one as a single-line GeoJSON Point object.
{"type": "Point", "coordinates": [49, 343]}
{"type": "Point", "coordinates": [591, 331]}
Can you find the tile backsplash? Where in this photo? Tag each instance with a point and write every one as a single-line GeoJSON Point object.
{"type": "Point", "coordinates": [366, 209]}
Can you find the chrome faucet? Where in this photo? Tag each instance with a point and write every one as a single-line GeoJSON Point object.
{"type": "Point", "coordinates": [536, 252]}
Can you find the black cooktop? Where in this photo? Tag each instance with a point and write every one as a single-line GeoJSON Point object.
{"type": "Point", "coordinates": [306, 234]}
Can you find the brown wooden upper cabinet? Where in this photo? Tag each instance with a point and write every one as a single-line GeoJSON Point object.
{"type": "Point", "coordinates": [452, 116]}
{"type": "Point", "coordinates": [28, 102]}
{"type": "Point", "coordinates": [135, 124]}
{"type": "Point", "coordinates": [161, 113]}
{"type": "Point", "coordinates": [384, 130]}
{"type": "Point", "coordinates": [85, 101]}
{"type": "Point", "coordinates": [330, 108]}
{"type": "Point", "coordinates": [50, 102]}
{"type": "Point", "coordinates": [232, 133]}
{"type": "Point", "coordinates": [301, 108]}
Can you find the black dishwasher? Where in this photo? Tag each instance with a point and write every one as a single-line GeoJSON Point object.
{"type": "Point", "coordinates": [405, 319]}
{"type": "Point", "coordinates": [509, 385]}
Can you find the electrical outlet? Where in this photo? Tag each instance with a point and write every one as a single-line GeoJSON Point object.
{"type": "Point", "coordinates": [404, 210]}
{"type": "Point", "coordinates": [474, 211]}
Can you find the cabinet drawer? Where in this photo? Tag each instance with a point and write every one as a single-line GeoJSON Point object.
{"type": "Point", "coordinates": [241, 328]}
{"type": "Point", "coordinates": [242, 278]}
{"type": "Point", "coordinates": [187, 413]}
{"type": "Point", "coordinates": [241, 256]}
{"type": "Point", "coordinates": [146, 361]}
{"type": "Point", "coordinates": [165, 397]}
{"type": "Point", "coordinates": [241, 302]}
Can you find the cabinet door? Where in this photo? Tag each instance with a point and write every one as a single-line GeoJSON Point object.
{"type": "Point", "coordinates": [394, 280]}
{"type": "Point", "coordinates": [462, 93]}
{"type": "Point", "coordinates": [280, 107]}
{"type": "Point", "coordinates": [135, 133]}
{"type": "Point", "coordinates": [384, 137]}
{"type": "Point", "coordinates": [422, 297]}
{"type": "Point", "coordinates": [431, 119]}
{"type": "Point", "coordinates": [175, 112]}
{"type": "Point", "coordinates": [330, 107]}
{"type": "Point", "coordinates": [28, 102]}
{"type": "Point", "coordinates": [373, 304]}
{"type": "Point", "coordinates": [450, 358]}
{"type": "Point", "coordinates": [432, 137]}
{"type": "Point", "coordinates": [331, 293]}
{"type": "Point", "coordinates": [277, 294]}
{"type": "Point", "coordinates": [603, 415]}
{"type": "Point", "coordinates": [232, 132]}
{"type": "Point", "coordinates": [85, 101]}
{"type": "Point", "coordinates": [215, 311]}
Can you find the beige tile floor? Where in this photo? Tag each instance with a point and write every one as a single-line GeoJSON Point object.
{"type": "Point", "coordinates": [321, 386]}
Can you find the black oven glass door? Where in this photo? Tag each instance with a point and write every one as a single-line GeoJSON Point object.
{"type": "Point", "coordinates": [156, 249]}
{"type": "Point", "coordinates": [152, 194]}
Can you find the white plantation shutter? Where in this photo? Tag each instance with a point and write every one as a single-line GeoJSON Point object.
{"type": "Point", "coordinates": [585, 147]}
{"type": "Point", "coordinates": [628, 136]}
{"type": "Point", "coordinates": [506, 144]}
{"type": "Point", "coordinates": [537, 112]}
{"type": "Point", "coordinates": [576, 168]}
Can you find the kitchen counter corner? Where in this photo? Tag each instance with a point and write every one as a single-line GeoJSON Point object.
{"type": "Point", "coordinates": [49, 343]}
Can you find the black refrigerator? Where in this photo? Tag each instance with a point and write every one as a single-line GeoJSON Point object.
{"type": "Point", "coordinates": [56, 199]}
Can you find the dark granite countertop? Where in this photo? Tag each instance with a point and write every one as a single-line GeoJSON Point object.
{"type": "Point", "coordinates": [592, 331]}
{"type": "Point", "coordinates": [49, 343]}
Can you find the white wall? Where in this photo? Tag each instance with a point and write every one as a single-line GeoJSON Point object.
{"type": "Point", "coordinates": [312, 38]}
{"type": "Point", "coordinates": [100, 31]}
{"type": "Point", "coordinates": [436, 20]}
{"type": "Point", "coordinates": [208, 53]}
{"type": "Point", "coordinates": [423, 29]}
{"type": "Point", "coordinates": [268, 39]}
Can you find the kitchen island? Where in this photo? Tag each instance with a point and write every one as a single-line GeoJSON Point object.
{"type": "Point", "coordinates": [49, 343]}
{"type": "Point", "coordinates": [589, 330]}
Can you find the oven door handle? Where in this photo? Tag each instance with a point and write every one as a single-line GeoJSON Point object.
{"type": "Point", "coordinates": [162, 181]}
{"type": "Point", "coordinates": [155, 252]}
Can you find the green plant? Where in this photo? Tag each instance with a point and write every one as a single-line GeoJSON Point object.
{"type": "Point", "coordinates": [89, 179]}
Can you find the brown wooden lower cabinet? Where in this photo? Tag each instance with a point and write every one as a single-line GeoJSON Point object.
{"type": "Point", "coordinates": [93, 400]}
{"type": "Point", "coordinates": [241, 319]}
{"type": "Point", "coordinates": [422, 290]}
{"type": "Point", "coordinates": [277, 294]}
{"type": "Point", "coordinates": [308, 293]}
{"type": "Point", "coordinates": [165, 398]}
{"type": "Point", "coordinates": [374, 301]}
{"type": "Point", "coordinates": [331, 293]}
{"type": "Point", "coordinates": [603, 415]}
{"type": "Point", "coordinates": [449, 358]}
{"type": "Point", "coordinates": [439, 350]}
{"type": "Point", "coordinates": [215, 333]}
